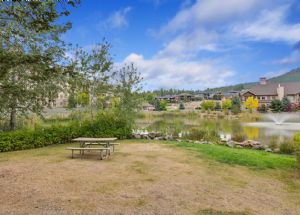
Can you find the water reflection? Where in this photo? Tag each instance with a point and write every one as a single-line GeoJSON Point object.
{"type": "Point", "coordinates": [196, 128]}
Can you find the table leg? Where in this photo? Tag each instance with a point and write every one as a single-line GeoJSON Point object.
{"type": "Point", "coordinates": [72, 152]}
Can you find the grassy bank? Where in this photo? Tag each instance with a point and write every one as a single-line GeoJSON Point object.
{"type": "Point", "coordinates": [244, 157]}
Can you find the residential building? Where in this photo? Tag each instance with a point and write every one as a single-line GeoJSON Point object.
{"type": "Point", "coordinates": [266, 92]}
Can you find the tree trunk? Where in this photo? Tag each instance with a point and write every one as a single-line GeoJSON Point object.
{"type": "Point", "coordinates": [13, 119]}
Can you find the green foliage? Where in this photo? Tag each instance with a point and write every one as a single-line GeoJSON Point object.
{"type": "Point", "coordinates": [226, 104]}
{"type": "Point", "coordinates": [297, 147]}
{"type": "Point", "coordinates": [287, 147]}
{"type": "Point", "coordinates": [162, 105]}
{"type": "Point", "coordinates": [286, 104]}
{"type": "Point", "coordinates": [72, 101]}
{"type": "Point", "coordinates": [181, 106]}
{"type": "Point", "coordinates": [217, 106]}
{"type": "Point", "coordinates": [30, 49]}
{"type": "Point", "coordinates": [208, 105]}
{"type": "Point", "coordinates": [244, 157]}
{"type": "Point", "coordinates": [106, 124]}
{"type": "Point", "coordinates": [236, 105]}
{"type": "Point", "coordinates": [276, 105]}
{"type": "Point", "coordinates": [82, 99]}
{"type": "Point", "coordinates": [263, 108]}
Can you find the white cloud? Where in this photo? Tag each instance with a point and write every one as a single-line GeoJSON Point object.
{"type": "Point", "coordinates": [174, 73]}
{"type": "Point", "coordinates": [294, 57]}
{"type": "Point", "coordinates": [210, 11]}
{"type": "Point", "coordinates": [118, 19]}
{"type": "Point", "coordinates": [188, 44]}
{"type": "Point", "coordinates": [271, 26]}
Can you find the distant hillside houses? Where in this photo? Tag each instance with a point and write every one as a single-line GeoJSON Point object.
{"type": "Point", "coordinates": [266, 92]}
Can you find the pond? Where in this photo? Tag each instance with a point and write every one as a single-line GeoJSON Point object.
{"type": "Point", "coordinates": [195, 125]}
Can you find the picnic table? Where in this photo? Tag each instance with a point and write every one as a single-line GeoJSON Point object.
{"type": "Point", "coordinates": [107, 143]}
{"type": "Point", "coordinates": [88, 141]}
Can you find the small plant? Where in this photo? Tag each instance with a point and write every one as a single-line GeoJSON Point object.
{"type": "Point", "coordinates": [263, 109]}
{"type": "Point", "coordinates": [238, 137]}
{"type": "Point", "coordinates": [208, 105]}
{"type": "Point", "coordinates": [297, 148]}
{"type": "Point", "coordinates": [276, 106]}
{"type": "Point", "coordinates": [273, 143]}
{"type": "Point", "coordinates": [287, 147]}
{"type": "Point", "coordinates": [181, 106]}
{"type": "Point", "coordinates": [226, 104]}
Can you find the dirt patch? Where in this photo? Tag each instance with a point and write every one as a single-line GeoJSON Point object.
{"type": "Point", "coordinates": [146, 178]}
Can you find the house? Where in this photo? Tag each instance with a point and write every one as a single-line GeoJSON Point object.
{"type": "Point", "coordinates": [186, 97]}
{"type": "Point", "coordinates": [266, 92]}
{"type": "Point", "coordinates": [230, 94]}
{"type": "Point", "coordinates": [148, 107]}
{"type": "Point", "coordinates": [168, 98]}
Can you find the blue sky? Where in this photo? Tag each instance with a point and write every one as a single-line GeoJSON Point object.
{"type": "Point", "coordinates": [194, 44]}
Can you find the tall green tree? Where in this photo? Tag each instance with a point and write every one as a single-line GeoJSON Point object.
{"type": "Point", "coordinates": [31, 54]}
{"type": "Point", "coordinates": [128, 88]}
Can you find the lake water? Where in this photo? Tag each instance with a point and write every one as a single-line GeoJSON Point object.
{"type": "Point", "coordinates": [190, 126]}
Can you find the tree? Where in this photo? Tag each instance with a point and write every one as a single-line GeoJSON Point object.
{"type": "Point", "coordinates": [162, 105]}
{"type": "Point", "coordinates": [31, 53]}
{"type": "Point", "coordinates": [217, 106]}
{"type": "Point", "coordinates": [286, 104]}
{"type": "Point", "coordinates": [226, 104]}
{"type": "Point", "coordinates": [128, 87]}
{"type": "Point", "coordinates": [251, 103]}
{"type": "Point", "coordinates": [181, 106]}
{"type": "Point", "coordinates": [276, 105]}
{"type": "Point", "coordinates": [208, 105]}
{"type": "Point", "coordinates": [236, 105]}
{"type": "Point", "coordinates": [82, 99]}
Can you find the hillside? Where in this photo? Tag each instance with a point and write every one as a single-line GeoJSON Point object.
{"type": "Point", "coordinates": [292, 76]}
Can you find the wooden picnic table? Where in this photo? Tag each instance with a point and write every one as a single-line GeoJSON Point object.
{"type": "Point", "coordinates": [87, 141]}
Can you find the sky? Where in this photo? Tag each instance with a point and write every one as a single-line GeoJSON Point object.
{"type": "Point", "coordinates": [193, 44]}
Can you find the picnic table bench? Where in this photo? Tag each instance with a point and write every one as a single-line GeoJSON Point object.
{"type": "Point", "coordinates": [86, 143]}
{"type": "Point", "coordinates": [107, 150]}
{"type": "Point", "coordinates": [106, 142]}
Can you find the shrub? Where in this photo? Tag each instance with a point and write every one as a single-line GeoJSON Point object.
{"type": "Point", "coordinates": [181, 106]}
{"type": "Point", "coordinates": [217, 106]}
{"type": "Point", "coordinates": [263, 108]}
{"type": "Point", "coordinates": [106, 125]}
{"type": "Point", "coordinates": [226, 104]}
{"type": "Point", "coordinates": [208, 105]}
{"type": "Point", "coordinates": [238, 137]}
{"type": "Point", "coordinates": [236, 105]}
{"type": "Point", "coordinates": [297, 147]}
{"type": "Point", "coordinates": [276, 106]}
{"type": "Point", "coordinates": [287, 147]}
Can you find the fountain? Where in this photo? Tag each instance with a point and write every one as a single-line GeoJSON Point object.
{"type": "Point", "coordinates": [278, 123]}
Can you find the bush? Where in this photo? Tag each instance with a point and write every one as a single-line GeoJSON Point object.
{"type": "Point", "coordinates": [181, 106]}
{"type": "Point", "coordinates": [276, 106]}
{"type": "Point", "coordinates": [287, 147]}
{"type": "Point", "coordinates": [208, 105]}
{"type": "Point", "coordinates": [263, 108]}
{"type": "Point", "coordinates": [297, 147]}
{"type": "Point", "coordinates": [106, 125]}
{"type": "Point", "coordinates": [238, 137]}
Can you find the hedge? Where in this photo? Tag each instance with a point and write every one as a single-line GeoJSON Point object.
{"type": "Point", "coordinates": [106, 125]}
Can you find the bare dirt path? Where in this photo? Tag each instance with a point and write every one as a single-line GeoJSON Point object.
{"type": "Point", "coordinates": [146, 178]}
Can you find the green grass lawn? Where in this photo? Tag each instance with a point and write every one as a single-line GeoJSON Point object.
{"type": "Point", "coordinates": [244, 157]}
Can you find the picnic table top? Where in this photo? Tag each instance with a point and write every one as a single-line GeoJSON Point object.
{"type": "Point", "coordinates": [88, 139]}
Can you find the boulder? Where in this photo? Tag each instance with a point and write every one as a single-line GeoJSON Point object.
{"type": "Point", "coordinates": [268, 150]}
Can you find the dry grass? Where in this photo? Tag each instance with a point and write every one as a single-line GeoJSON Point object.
{"type": "Point", "coordinates": [140, 178]}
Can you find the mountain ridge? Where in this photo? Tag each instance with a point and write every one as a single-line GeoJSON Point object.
{"type": "Point", "coordinates": [291, 76]}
